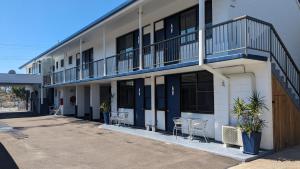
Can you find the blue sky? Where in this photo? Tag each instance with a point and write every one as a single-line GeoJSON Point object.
{"type": "Point", "coordinates": [29, 27]}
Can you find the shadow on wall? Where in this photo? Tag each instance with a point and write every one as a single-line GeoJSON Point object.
{"type": "Point", "coordinates": [6, 161]}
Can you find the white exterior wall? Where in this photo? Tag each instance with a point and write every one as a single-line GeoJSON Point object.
{"type": "Point", "coordinates": [95, 100]}
{"type": "Point", "coordinates": [240, 87]}
{"type": "Point", "coordinates": [68, 92]}
{"type": "Point", "coordinates": [283, 14]}
{"type": "Point", "coordinates": [80, 100]}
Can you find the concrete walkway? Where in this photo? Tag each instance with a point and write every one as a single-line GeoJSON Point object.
{"type": "Point", "coordinates": [57, 142]}
{"type": "Point", "coordinates": [211, 147]}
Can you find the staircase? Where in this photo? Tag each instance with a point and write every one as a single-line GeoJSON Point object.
{"type": "Point", "coordinates": [284, 67]}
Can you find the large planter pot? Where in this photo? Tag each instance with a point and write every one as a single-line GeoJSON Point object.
{"type": "Point", "coordinates": [251, 142]}
{"type": "Point", "coordinates": [106, 117]}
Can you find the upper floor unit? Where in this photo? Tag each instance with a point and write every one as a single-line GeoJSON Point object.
{"type": "Point", "coordinates": [142, 36]}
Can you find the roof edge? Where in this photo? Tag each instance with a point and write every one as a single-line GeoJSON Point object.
{"type": "Point", "coordinates": [89, 26]}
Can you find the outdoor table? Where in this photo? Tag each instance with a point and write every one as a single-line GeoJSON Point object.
{"type": "Point", "coordinates": [189, 120]}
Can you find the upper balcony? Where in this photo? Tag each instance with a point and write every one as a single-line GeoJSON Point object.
{"type": "Point", "coordinates": [242, 38]}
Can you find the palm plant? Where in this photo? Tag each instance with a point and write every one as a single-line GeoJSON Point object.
{"type": "Point", "coordinates": [105, 106]}
{"type": "Point", "coordinates": [249, 114]}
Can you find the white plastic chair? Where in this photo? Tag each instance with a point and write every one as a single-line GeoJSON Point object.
{"type": "Point", "coordinates": [123, 118]}
{"type": "Point", "coordinates": [178, 122]}
{"type": "Point", "coordinates": [199, 127]}
{"type": "Point", "coordinates": [55, 111]}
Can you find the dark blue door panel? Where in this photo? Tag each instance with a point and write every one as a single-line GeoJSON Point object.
{"type": "Point", "coordinates": [139, 118]}
{"type": "Point", "coordinates": [173, 100]}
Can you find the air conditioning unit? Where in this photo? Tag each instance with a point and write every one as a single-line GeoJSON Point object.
{"type": "Point", "coordinates": [231, 136]}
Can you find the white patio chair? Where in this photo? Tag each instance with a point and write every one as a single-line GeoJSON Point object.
{"type": "Point", "coordinates": [114, 119]}
{"type": "Point", "coordinates": [178, 122]}
{"type": "Point", "coordinates": [123, 118]}
{"type": "Point", "coordinates": [198, 127]}
{"type": "Point", "coordinates": [56, 111]}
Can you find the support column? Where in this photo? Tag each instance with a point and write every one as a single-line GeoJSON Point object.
{"type": "Point", "coordinates": [201, 31]}
{"type": "Point", "coordinates": [104, 51]}
{"type": "Point", "coordinates": [140, 38]}
{"type": "Point", "coordinates": [42, 92]}
{"type": "Point", "coordinates": [114, 99]}
{"type": "Point", "coordinates": [64, 67]}
{"type": "Point", "coordinates": [95, 100]}
{"type": "Point", "coordinates": [80, 101]}
{"type": "Point", "coordinates": [80, 51]}
{"type": "Point", "coordinates": [153, 108]}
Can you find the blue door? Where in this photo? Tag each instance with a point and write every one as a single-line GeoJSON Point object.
{"type": "Point", "coordinates": [173, 100]}
{"type": "Point", "coordinates": [139, 113]}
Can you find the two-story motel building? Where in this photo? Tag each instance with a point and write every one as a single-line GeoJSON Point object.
{"type": "Point", "coordinates": [160, 59]}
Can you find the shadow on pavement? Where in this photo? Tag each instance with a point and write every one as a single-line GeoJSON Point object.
{"type": "Point", "coordinates": [290, 154]}
{"type": "Point", "coordinates": [9, 115]}
{"type": "Point", "coordinates": [6, 161]}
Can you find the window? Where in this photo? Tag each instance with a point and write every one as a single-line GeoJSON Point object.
{"type": "Point", "coordinates": [56, 65]}
{"type": "Point", "coordinates": [148, 97]}
{"type": "Point", "coordinates": [197, 94]}
{"type": "Point", "coordinates": [29, 70]}
{"type": "Point", "coordinates": [160, 97]}
{"type": "Point", "coordinates": [70, 60]}
{"type": "Point", "coordinates": [126, 94]}
{"type": "Point", "coordinates": [62, 63]}
{"type": "Point", "coordinates": [188, 24]}
{"type": "Point", "coordinates": [40, 67]}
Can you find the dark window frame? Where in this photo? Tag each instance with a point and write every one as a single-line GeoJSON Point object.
{"type": "Point", "coordinates": [197, 96]}
{"type": "Point", "coordinates": [56, 65]}
{"type": "Point", "coordinates": [62, 63]}
{"type": "Point", "coordinates": [160, 97]}
{"type": "Point", "coordinates": [126, 90]}
{"type": "Point", "coordinates": [70, 60]}
{"type": "Point", "coordinates": [147, 97]}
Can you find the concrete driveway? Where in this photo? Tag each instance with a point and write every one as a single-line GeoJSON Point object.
{"type": "Point", "coordinates": [57, 142]}
{"type": "Point", "coordinates": [287, 159]}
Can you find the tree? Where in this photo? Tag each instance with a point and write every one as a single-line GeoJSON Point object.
{"type": "Point", "coordinates": [20, 92]}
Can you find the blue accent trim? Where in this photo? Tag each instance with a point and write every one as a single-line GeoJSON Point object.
{"type": "Point", "coordinates": [168, 67]}
{"type": "Point", "coordinates": [212, 59]}
{"type": "Point", "coordinates": [99, 20]}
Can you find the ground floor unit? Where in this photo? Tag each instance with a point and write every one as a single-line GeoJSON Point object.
{"type": "Point", "coordinates": [156, 98]}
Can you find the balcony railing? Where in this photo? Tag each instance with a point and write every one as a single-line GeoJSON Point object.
{"type": "Point", "coordinates": [247, 35]}
{"type": "Point", "coordinates": [242, 36]}
{"type": "Point", "coordinates": [58, 77]}
{"type": "Point", "coordinates": [176, 50]}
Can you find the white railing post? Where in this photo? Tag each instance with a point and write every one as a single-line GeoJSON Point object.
{"type": "Point", "coordinates": [140, 38]}
{"type": "Point", "coordinates": [80, 65]}
{"type": "Point", "coordinates": [201, 31]}
{"type": "Point", "coordinates": [104, 52]}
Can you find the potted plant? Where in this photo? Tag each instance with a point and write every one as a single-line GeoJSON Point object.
{"type": "Point", "coordinates": [73, 100]}
{"type": "Point", "coordinates": [250, 122]}
{"type": "Point", "coordinates": [105, 108]}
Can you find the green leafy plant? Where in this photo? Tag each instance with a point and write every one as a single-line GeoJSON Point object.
{"type": "Point", "coordinates": [105, 106]}
{"type": "Point", "coordinates": [249, 114]}
{"type": "Point", "coordinates": [20, 92]}
{"type": "Point", "coordinates": [73, 100]}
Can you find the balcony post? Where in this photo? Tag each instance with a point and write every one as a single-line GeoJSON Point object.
{"type": "Point", "coordinates": [153, 108]}
{"type": "Point", "coordinates": [104, 51]}
{"type": "Point", "coordinates": [201, 31]}
{"type": "Point", "coordinates": [140, 38]}
{"type": "Point", "coordinates": [42, 92]}
{"type": "Point", "coordinates": [64, 78]}
{"type": "Point", "coordinates": [80, 65]}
